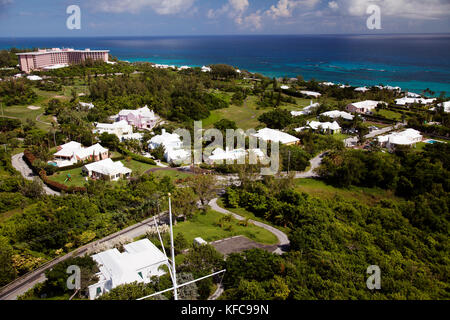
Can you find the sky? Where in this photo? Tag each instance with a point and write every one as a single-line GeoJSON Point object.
{"type": "Point", "coordinates": [47, 18]}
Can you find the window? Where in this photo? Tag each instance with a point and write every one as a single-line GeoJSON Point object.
{"type": "Point", "coordinates": [140, 275]}
{"type": "Point", "coordinates": [99, 290]}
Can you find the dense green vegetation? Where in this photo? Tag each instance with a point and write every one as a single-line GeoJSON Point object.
{"type": "Point", "coordinates": [332, 244]}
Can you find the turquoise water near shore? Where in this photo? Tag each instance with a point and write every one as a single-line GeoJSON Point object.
{"type": "Point", "coordinates": [412, 62]}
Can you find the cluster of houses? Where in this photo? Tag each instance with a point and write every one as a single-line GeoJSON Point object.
{"type": "Point", "coordinates": [100, 167]}
{"type": "Point", "coordinates": [125, 122]}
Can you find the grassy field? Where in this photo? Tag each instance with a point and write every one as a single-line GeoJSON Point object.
{"type": "Point", "coordinates": [77, 179]}
{"type": "Point", "coordinates": [206, 226]}
{"type": "Point", "coordinates": [138, 167]}
{"type": "Point", "coordinates": [174, 175]}
{"type": "Point", "coordinates": [320, 189]}
{"type": "Point", "coordinates": [389, 114]}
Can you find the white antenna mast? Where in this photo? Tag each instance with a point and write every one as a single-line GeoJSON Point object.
{"type": "Point", "coordinates": [172, 270]}
{"type": "Point", "coordinates": [172, 248]}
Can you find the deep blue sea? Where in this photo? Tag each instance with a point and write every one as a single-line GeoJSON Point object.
{"type": "Point", "coordinates": [413, 62]}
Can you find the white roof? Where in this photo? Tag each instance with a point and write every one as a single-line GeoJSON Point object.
{"type": "Point", "coordinates": [327, 84]}
{"type": "Point", "coordinates": [275, 136]}
{"type": "Point", "coordinates": [284, 87]}
{"type": "Point", "coordinates": [311, 93]}
{"type": "Point", "coordinates": [34, 78]}
{"type": "Point", "coordinates": [108, 167]}
{"type": "Point", "coordinates": [362, 89]}
{"type": "Point", "coordinates": [367, 104]}
{"type": "Point", "coordinates": [122, 268]}
{"type": "Point", "coordinates": [220, 154]}
{"type": "Point", "coordinates": [405, 137]}
{"type": "Point", "coordinates": [306, 110]}
{"type": "Point", "coordinates": [412, 95]}
{"type": "Point", "coordinates": [144, 112]}
{"type": "Point", "coordinates": [338, 114]}
{"type": "Point", "coordinates": [446, 106]}
{"type": "Point", "coordinates": [116, 125]}
{"type": "Point", "coordinates": [206, 69]}
{"type": "Point", "coordinates": [166, 139]}
{"type": "Point", "coordinates": [88, 105]}
{"type": "Point", "coordinates": [69, 149]}
{"type": "Point", "coordinates": [324, 125]}
{"type": "Point", "coordinates": [406, 100]}
{"type": "Point", "coordinates": [95, 150]}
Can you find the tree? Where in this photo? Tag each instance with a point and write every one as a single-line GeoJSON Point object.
{"type": "Point", "coordinates": [130, 291]}
{"type": "Point", "coordinates": [204, 186]}
{"type": "Point", "coordinates": [33, 189]}
{"type": "Point", "coordinates": [276, 119]}
{"type": "Point", "coordinates": [184, 202]}
{"type": "Point", "coordinates": [110, 141]}
{"type": "Point", "coordinates": [225, 124]}
{"type": "Point", "coordinates": [180, 242]}
{"type": "Point", "coordinates": [159, 152]}
{"type": "Point", "coordinates": [7, 271]}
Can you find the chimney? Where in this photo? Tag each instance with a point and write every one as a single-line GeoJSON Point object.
{"type": "Point", "coordinates": [163, 131]}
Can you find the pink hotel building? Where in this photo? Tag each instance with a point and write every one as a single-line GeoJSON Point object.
{"type": "Point", "coordinates": [46, 58]}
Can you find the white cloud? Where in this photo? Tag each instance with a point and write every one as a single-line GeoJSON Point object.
{"type": "Point", "coordinates": [162, 7]}
{"type": "Point", "coordinates": [253, 21]}
{"type": "Point", "coordinates": [284, 8]}
{"type": "Point", "coordinates": [413, 9]}
{"type": "Point", "coordinates": [333, 5]}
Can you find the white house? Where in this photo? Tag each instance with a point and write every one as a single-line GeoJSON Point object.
{"type": "Point", "coordinates": [324, 127]}
{"type": "Point", "coordinates": [363, 106]}
{"type": "Point", "coordinates": [87, 105]}
{"type": "Point", "coordinates": [173, 146]}
{"type": "Point", "coordinates": [34, 78]}
{"type": "Point", "coordinates": [413, 95]}
{"type": "Point", "coordinates": [362, 89]}
{"type": "Point", "coordinates": [445, 105]}
{"type": "Point", "coordinates": [284, 87]}
{"type": "Point", "coordinates": [73, 152]}
{"type": "Point", "coordinates": [268, 134]}
{"type": "Point", "coordinates": [408, 137]}
{"type": "Point", "coordinates": [306, 110]}
{"type": "Point", "coordinates": [311, 93]}
{"type": "Point", "coordinates": [140, 261]}
{"type": "Point", "coordinates": [335, 114]}
{"type": "Point", "coordinates": [206, 69]}
{"type": "Point", "coordinates": [328, 84]}
{"type": "Point", "coordinates": [106, 170]}
{"type": "Point", "coordinates": [406, 101]}
{"type": "Point", "coordinates": [121, 129]}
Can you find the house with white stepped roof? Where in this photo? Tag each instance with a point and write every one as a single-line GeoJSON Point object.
{"type": "Point", "coordinates": [138, 262]}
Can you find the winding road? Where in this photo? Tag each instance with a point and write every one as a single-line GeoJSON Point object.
{"type": "Point", "coordinates": [20, 165]}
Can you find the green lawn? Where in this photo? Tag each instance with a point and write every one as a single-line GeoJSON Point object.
{"type": "Point", "coordinates": [245, 116]}
{"type": "Point", "coordinates": [174, 175]}
{"type": "Point", "coordinates": [137, 166]}
{"type": "Point", "coordinates": [205, 226]}
{"type": "Point", "coordinates": [392, 115]}
{"type": "Point", "coordinates": [320, 189]}
{"type": "Point", "coordinates": [77, 179]}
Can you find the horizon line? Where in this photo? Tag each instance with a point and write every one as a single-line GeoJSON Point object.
{"type": "Point", "coordinates": [228, 35]}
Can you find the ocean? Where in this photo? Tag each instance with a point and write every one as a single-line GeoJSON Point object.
{"type": "Point", "coordinates": [412, 62]}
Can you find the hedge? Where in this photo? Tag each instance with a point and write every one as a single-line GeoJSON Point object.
{"type": "Point", "coordinates": [56, 186]}
{"type": "Point", "coordinates": [136, 157]}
